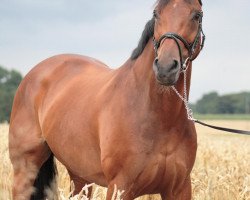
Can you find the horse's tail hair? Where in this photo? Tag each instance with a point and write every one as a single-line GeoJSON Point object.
{"type": "Point", "coordinates": [45, 182]}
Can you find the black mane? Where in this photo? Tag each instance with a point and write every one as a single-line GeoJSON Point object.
{"type": "Point", "coordinates": [147, 33]}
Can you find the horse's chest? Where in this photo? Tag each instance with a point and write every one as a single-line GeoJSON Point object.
{"type": "Point", "coordinates": [163, 172]}
{"type": "Point", "coordinates": [152, 164]}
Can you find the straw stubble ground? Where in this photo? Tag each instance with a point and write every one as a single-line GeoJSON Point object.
{"type": "Point", "coordinates": [221, 171]}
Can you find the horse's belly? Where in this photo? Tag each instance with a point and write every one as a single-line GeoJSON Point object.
{"type": "Point", "coordinates": [79, 153]}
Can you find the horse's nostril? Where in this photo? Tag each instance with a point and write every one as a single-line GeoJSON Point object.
{"type": "Point", "coordinates": [156, 62]}
{"type": "Point", "coordinates": [173, 65]}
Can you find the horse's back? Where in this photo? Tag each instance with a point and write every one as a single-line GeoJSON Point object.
{"type": "Point", "coordinates": [54, 74]}
{"type": "Point", "coordinates": [61, 67]}
{"type": "Point", "coordinates": [48, 80]}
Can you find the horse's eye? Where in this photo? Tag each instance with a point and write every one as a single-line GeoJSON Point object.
{"type": "Point", "coordinates": [197, 16]}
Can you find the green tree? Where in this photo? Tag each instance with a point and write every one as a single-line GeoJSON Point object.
{"type": "Point", "coordinates": [9, 81]}
{"type": "Point", "coordinates": [208, 103]}
{"type": "Point", "coordinates": [212, 103]}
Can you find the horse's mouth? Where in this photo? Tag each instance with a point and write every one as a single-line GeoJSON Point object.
{"type": "Point", "coordinates": [168, 80]}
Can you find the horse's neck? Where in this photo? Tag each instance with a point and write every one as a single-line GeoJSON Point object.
{"type": "Point", "coordinates": [161, 98]}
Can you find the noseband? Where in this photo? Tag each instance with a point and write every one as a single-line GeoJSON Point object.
{"type": "Point", "coordinates": [191, 47]}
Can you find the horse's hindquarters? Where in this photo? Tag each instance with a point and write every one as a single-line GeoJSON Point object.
{"type": "Point", "coordinates": [36, 96]}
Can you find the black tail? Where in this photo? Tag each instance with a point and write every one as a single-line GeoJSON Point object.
{"type": "Point", "coordinates": [45, 177]}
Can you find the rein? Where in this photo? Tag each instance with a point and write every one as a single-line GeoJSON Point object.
{"type": "Point", "coordinates": [184, 98]}
{"type": "Point", "coordinates": [191, 47]}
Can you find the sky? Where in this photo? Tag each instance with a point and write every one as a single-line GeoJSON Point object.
{"type": "Point", "coordinates": [33, 30]}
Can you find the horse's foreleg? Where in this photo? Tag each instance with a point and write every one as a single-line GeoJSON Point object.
{"type": "Point", "coordinates": [79, 184]}
{"type": "Point", "coordinates": [119, 188]}
{"type": "Point", "coordinates": [185, 192]}
{"type": "Point", "coordinates": [115, 192]}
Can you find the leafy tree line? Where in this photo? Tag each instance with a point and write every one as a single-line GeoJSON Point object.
{"type": "Point", "coordinates": [212, 103]}
{"type": "Point", "coordinates": [9, 81]}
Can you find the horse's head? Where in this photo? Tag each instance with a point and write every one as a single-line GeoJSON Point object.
{"type": "Point", "coordinates": [178, 37]}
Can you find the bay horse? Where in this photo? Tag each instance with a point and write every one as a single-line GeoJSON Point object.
{"type": "Point", "coordinates": [123, 127]}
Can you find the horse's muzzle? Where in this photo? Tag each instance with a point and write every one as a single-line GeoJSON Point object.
{"type": "Point", "coordinates": [167, 74]}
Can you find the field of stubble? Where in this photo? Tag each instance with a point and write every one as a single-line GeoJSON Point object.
{"type": "Point", "coordinates": [221, 172]}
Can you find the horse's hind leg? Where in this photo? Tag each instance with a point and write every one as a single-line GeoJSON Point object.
{"type": "Point", "coordinates": [28, 151]}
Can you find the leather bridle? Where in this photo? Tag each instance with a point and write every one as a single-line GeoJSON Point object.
{"type": "Point", "coordinates": [191, 47]}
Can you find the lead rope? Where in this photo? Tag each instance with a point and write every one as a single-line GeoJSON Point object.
{"type": "Point", "coordinates": [184, 98]}
{"type": "Point", "coordinates": [189, 111]}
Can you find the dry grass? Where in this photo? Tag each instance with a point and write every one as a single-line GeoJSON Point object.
{"type": "Point", "coordinates": [222, 168]}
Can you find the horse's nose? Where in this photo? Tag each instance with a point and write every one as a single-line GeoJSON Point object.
{"type": "Point", "coordinates": [169, 68]}
{"type": "Point", "coordinates": [167, 73]}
